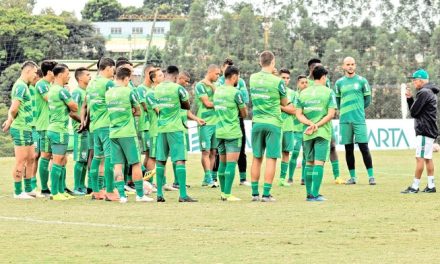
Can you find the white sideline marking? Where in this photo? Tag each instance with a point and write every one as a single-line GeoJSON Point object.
{"type": "Point", "coordinates": [88, 224]}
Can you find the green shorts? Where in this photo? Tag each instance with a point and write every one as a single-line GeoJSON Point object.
{"type": "Point", "coordinates": [58, 142]}
{"type": "Point", "coordinates": [171, 144]}
{"type": "Point", "coordinates": [144, 140]}
{"type": "Point", "coordinates": [21, 138]}
{"type": "Point", "coordinates": [297, 141]}
{"type": "Point", "coordinates": [348, 131]}
{"type": "Point", "coordinates": [207, 137]}
{"type": "Point", "coordinates": [188, 147]}
{"type": "Point", "coordinates": [91, 143]}
{"type": "Point", "coordinates": [152, 146]}
{"type": "Point", "coordinates": [288, 141]}
{"type": "Point", "coordinates": [228, 145]}
{"type": "Point", "coordinates": [125, 150]}
{"type": "Point", "coordinates": [101, 138]}
{"type": "Point", "coordinates": [316, 149]}
{"type": "Point", "coordinates": [43, 142]}
{"type": "Point", "coordinates": [81, 146]}
{"type": "Point", "coordinates": [266, 137]}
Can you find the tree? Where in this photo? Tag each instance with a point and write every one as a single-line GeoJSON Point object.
{"type": "Point", "coordinates": [102, 10]}
{"type": "Point", "coordinates": [25, 5]}
{"type": "Point", "coordinates": [7, 80]}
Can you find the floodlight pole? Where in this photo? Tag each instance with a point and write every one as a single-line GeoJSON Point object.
{"type": "Point", "coordinates": [147, 52]}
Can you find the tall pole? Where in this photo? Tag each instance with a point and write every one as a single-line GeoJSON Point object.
{"type": "Point", "coordinates": [147, 52]}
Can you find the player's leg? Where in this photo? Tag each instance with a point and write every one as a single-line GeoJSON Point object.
{"type": "Point", "coordinates": [273, 152]}
{"type": "Point", "coordinates": [22, 151]}
{"type": "Point", "coordinates": [347, 133]}
{"type": "Point", "coordinates": [258, 147]}
{"type": "Point", "coordinates": [321, 153]}
{"type": "Point", "coordinates": [151, 164]}
{"type": "Point", "coordinates": [205, 158]}
{"type": "Point", "coordinates": [429, 147]}
{"type": "Point", "coordinates": [308, 156]}
{"type": "Point", "coordinates": [162, 152]}
{"type": "Point", "coordinates": [242, 159]}
{"type": "Point", "coordinates": [295, 154]}
{"type": "Point", "coordinates": [334, 159]}
{"type": "Point", "coordinates": [287, 147]}
{"type": "Point", "coordinates": [58, 144]}
{"type": "Point", "coordinates": [118, 160]}
{"type": "Point", "coordinates": [108, 167]}
{"type": "Point", "coordinates": [91, 154]}
{"type": "Point", "coordinates": [95, 166]}
{"type": "Point", "coordinates": [36, 159]}
{"type": "Point", "coordinates": [43, 166]}
{"type": "Point", "coordinates": [221, 149]}
{"type": "Point", "coordinates": [232, 153]}
{"type": "Point", "coordinates": [79, 156]}
{"type": "Point", "coordinates": [360, 132]}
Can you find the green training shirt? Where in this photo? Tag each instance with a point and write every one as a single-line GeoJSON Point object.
{"type": "Point", "coordinates": [169, 95]}
{"type": "Point", "coordinates": [120, 101]}
{"type": "Point", "coordinates": [32, 94]}
{"type": "Point", "coordinates": [143, 120]}
{"type": "Point", "coordinates": [59, 97]}
{"type": "Point", "coordinates": [315, 101]}
{"type": "Point", "coordinates": [297, 125]}
{"type": "Point", "coordinates": [352, 91]}
{"type": "Point", "coordinates": [207, 114]}
{"type": "Point", "coordinates": [96, 102]}
{"type": "Point", "coordinates": [227, 102]}
{"type": "Point", "coordinates": [78, 96]}
{"type": "Point", "coordinates": [41, 105]}
{"type": "Point", "coordinates": [23, 119]}
{"type": "Point", "coordinates": [152, 115]}
{"type": "Point", "coordinates": [288, 118]}
{"type": "Point", "coordinates": [241, 86]}
{"type": "Point", "coordinates": [266, 92]}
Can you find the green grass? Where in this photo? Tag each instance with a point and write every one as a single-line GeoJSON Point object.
{"type": "Point", "coordinates": [358, 224]}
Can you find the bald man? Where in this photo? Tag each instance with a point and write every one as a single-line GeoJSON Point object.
{"type": "Point", "coordinates": [353, 95]}
{"type": "Point", "coordinates": [205, 110]}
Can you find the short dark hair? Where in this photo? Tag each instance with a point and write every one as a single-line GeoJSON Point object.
{"type": "Point", "coordinates": [122, 59]}
{"type": "Point", "coordinates": [266, 58]}
{"type": "Point", "coordinates": [28, 64]}
{"type": "Point", "coordinates": [105, 62]}
{"type": "Point", "coordinates": [313, 61]}
{"type": "Point", "coordinates": [59, 68]}
{"type": "Point", "coordinates": [230, 71]}
{"type": "Point", "coordinates": [302, 76]}
{"type": "Point", "coordinates": [228, 61]}
{"type": "Point", "coordinates": [148, 68]}
{"type": "Point", "coordinates": [185, 73]}
{"type": "Point", "coordinates": [122, 73]}
{"type": "Point", "coordinates": [79, 72]}
{"type": "Point", "coordinates": [318, 72]}
{"type": "Point", "coordinates": [284, 70]}
{"type": "Point", "coordinates": [153, 74]}
{"type": "Point", "coordinates": [120, 63]}
{"type": "Point", "coordinates": [47, 66]}
{"type": "Point", "coordinates": [40, 73]}
{"type": "Point", "coordinates": [172, 70]}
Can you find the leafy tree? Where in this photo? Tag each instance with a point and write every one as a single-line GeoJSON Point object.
{"type": "Point", "coordinates": [102, 10]}
{"type": "Point", "coordinates": [7, 80]}
{"type": "Point", "coordinates": [25, 5]}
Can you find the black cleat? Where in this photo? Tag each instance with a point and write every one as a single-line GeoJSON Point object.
{"type": "Point", "coordinates": [410, 190]}
{"type": "Point", "coordinates": [429, 190]}
{"type": "Point", "coordinates": [160, 199]}
{"type": "Point", "coordinates": [46, 192]}
{"type": "Point", "coordinates": [187, 200]}
{"type": "Point", "coordinates": [89, 190]}
{"type": "Point", "coordinates": [67, 190]}
{"type": "Point", "coordinates": [302, 182]}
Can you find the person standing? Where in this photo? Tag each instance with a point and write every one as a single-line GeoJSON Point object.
{"type": "Point", "coordinates": [424, 111]}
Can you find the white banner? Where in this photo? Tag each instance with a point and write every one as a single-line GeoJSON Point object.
{"type": "Point", "coordinates": [383, 134]}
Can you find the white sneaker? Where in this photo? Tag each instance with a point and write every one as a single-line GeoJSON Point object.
{"type": "Point", "coordinates": [23, 196]}
{"type": "Point", "coordinates": [123, 200]}
{"type": "Point", "coordinates": [170, 188]}
{"type": "Point", "coordinates": [144, 199]}
{"type": "Point", "coordinates": [245, 183]}
{"type": "Point", "coordinates": [36, 194]}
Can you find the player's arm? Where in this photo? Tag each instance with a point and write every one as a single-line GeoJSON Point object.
{"type": "Point", "coordinates": [243, 90]}
{"type": "Point", "coordinates": [338, 95]}
{"type": "Point", "coordinates": [417, 105]}
{"type": "Point", "coordinates": [66, 97]}
{"type": "Point", "coordinates": [84, 116]}
{"type": "Point", "coordinates": [12, 113]}
{"type": "Point", "coordinates": [241, 105]}
{"type": "Point", "coordinates": [193, 117]}
{"type": "Point", "coordinates": [203, 96]}
{"type": "Point", "coordinates": [331, 111]}
{"type": "Point", "coordinates": [183, 96]}
{"type": "Point", "coordinates": [43, 91]}
{"type": "Point", "coordinates": [135, 103]}
{"type": "Point", "coordinates": [284, 101]}
{"type": "Point", "coordinates": [288, 109]}
{"type": "Point", "coordinates": [367, 93]}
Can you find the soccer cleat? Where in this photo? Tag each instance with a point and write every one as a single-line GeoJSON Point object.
{"type": "Point", "coordinates": [89, 191]}
{"type": "Point", "coordinates": [78, 193]}
{"type": "Point", "coordinates": [170, 188]}
{"type": "Point", "coordinates": [283, 183]}
{"type": "Point", "coordinates": [268, 199]}
{"type": "Point", "coordinates": [410, 189]}
{"type": "Point", "coordinates": [144, 199]}
{"type": "Point", "coordinates": [35, 194]}
{"type": "Point", "coordinates": [187, 199]}
{"type": "Point", "coordinates": [232, 199]}
{"type": "Point", "coordinates": [111, 197]}
{"type": "Point", "coordinates": [160, 199]}
{"type": "Point", "coordinates": [211, 184]}
{"type": "Point", "coordinates": [320, 198]}
{"type": "Point", "coordinates": [67, 190]}
{"type": "Point", "coordinates": [223, 196]}
{"type": "Point", "coordinates": [372, 181]}
{"type": "Point", "coordinates": [255, 198]}
{"type": "Point", "coordinates": [59, 197]}
{"type": "Point", "coordinates": [310, 198]}
{"type": "Point", "coordinates": [339, 180]}
{"type": "Point", "coordinates": [149, 174]}
{"type": "Point", "coordinates": [129, 189]}
{"type": "Point", "coordinates": [351, 181]}
{"type": "Point", "coordinates": [429, 190]}
{"type": "Point", "coordinates": [23, 196]}
{"type": "Point", "coordinates": [245, 183]}
{"type": "Point", "coordinates": [302, 182]}
{"type": "Point", "coordinates": [123, 200]}
{"type": "Point", "coordinates": [68, 196]}
{"type": "Point", "coordinates": [46, 193]}
{"type": "Point", "coordinates": [290, 181]}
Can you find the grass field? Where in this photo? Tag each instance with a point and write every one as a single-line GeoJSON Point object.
{"type": "Point", "coordinates": [358, 224]}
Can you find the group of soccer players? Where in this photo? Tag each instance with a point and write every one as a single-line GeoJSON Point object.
{"type": "Point", "coordinates": [115, 122]}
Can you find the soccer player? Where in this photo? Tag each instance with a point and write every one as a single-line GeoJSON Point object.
{"type": "Point", "coordinates": [424, 111]}
{"type": "Point", "coordinates": [316, 108]}
{"type": "Point", "coordinates": [287, 114]}
{"type": "Point", "coordinates": [353, 95]}
{"type": "Point", "coordinates": [19, 125]}
{"type": "Point", "coordinates": [205, 90]}
{"type": "Point", "coordinates": [268, 92]}
{"type": "Point", "coordinates": [42, 122]}
{"type": "Point", "coordinates": [242, 160]}
{"type": "Point", "coordinates": [81, 139]}
{"type": "Point", "coordinates": [99, 126]}
{"type": "Point", "coordinates": [298, 130]}
{"type": "Point", "coordinates": [171, 140]}
{"type": "Point", "coordinates": [61, 106]}
{"type": "Point", "coordinates": [228, 103]}
{"type": "Point", "coordinates": [122, 107]}
{"type": "Point", "coordinates": [32, 92]}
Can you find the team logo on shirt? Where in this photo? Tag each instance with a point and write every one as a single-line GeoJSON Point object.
{"type": "Point", "coordinates": [356, 86]}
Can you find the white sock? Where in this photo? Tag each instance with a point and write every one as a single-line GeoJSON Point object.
{"type": "Point", "coordinates": [431, 183]}
{"type": "Point", "coordinates": [415, 184]}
